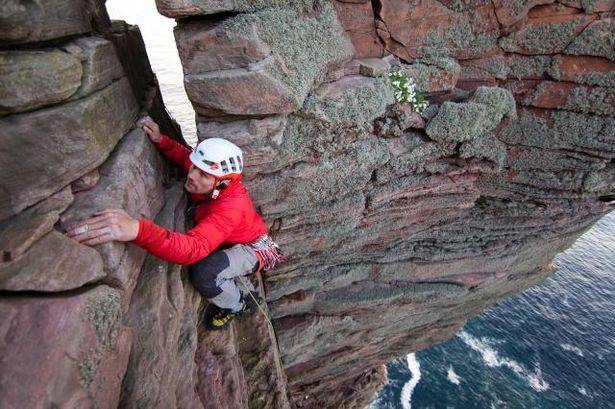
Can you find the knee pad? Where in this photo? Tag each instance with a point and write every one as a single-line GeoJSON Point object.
{"type": "Point", "coordinates": [203, 273]}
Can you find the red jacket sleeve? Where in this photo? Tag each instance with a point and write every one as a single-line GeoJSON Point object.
{"type": "Point", "coordinates": [175, 152]}
{"type": "Point", "coordinates": [193, 246]}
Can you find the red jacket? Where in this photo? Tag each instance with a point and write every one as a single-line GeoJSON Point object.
{"type": "Point", "coordinates": [228, 219]}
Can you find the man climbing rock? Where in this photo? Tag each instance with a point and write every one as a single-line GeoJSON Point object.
{"type": "Point", "coordinates": [229, 239]}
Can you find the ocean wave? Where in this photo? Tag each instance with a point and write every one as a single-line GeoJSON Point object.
{"type": "Point", "coordinates": [571, 348]}
{"type": "Point", "coordinates": [492, 359]}
{"type": "Point", "coordinates": [415, 372]}
{"type": "Point", "coordinates": [452, 376]}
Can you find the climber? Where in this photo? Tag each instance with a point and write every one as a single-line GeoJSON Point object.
{"type": "Point", "coordinates": [229, 240]}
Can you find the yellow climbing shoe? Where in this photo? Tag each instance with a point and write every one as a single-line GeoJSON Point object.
{"type": "Point", "coordinates": [222, 318]}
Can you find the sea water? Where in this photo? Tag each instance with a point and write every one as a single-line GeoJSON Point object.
{"type": "Point", "coordinates": [552, 346]}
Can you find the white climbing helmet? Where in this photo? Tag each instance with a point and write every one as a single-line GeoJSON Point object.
{"type": "Point", "coordinates": [218, 157]}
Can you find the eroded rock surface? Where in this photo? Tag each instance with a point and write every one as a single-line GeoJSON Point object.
{"type": "Point", "coordinates": [397, 226]}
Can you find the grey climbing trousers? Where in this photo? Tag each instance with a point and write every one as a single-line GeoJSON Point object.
{"type": "Point", "coordinates": [213, 275]}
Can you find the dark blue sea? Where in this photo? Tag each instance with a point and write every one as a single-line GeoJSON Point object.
{"type": "Point", "coordinates": [552, 346]}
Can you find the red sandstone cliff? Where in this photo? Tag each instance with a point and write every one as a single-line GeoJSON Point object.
{"type": "Point", "coordinates": [398, 227]}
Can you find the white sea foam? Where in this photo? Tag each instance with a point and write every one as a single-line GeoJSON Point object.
{"type": "Point", "coordinates": [571, 348]}
{"type": "Point", "coordinates": [415, 372]}
{"type": "Point", "coordinates": [492, 359]}
{"type": "Point", "coordinates": [452, 376]}
{"type": "Point", "coordinates": [582, 390]}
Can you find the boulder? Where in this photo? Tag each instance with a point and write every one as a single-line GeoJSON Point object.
{"type": "Point", "coordinates": [27, 22]}
{"type": "Point", "coordinates": [431, 29]}
{"type": "Point", "coordinates": [373, 67]}
{"type": "Point", "coordinates": [78, 335]}
{"type": "Point", "coordinates": [34, 79]}
{"type": "Point", "coordinates": [20, 232]}
{"type": "Point", "coordinates": [510, 12]}
{"type": "Point", "coordinates": [252, 91]}
{"type": "Point", "coordinates": [47, 149]}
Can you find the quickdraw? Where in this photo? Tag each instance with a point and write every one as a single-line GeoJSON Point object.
{"type": "Point", "coordinates": [268, 252]}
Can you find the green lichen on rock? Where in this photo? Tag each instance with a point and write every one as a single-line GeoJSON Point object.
{"type": "Point", "coordinates": [305, 44]}
{"type": "Point", "coordinates": [605, 79]}
{"type": "Point", "coordinates": [356, 106]}
{"type": "Point", "coordinates": [598, 39]}
{"type": "Point", "coordinates": [442, 43]}
{"type": "Point", "coordinates": [88, 367]}
{"type": "Point", "coordinates": [485, 147]}
{"type": "Point", "coordinates": [591, 100]}
{"type": "Point", "coordinates": [540, 38]}
{"type": "Point", "coordinates": [566, 130]}
{"type": "Point", "coordinates": [471, 122]}
{"type": "Point", "coordinates": [256, 5]}
{"type": "Point", "coordinates": [417, 155]}
{"type": "Point", "coordinates": [601, 78]}
{"type": "Point", "coordinates": [481, 44]}
{"type": "Point", "coordinates": [433, 74]}
{"type": "Point", "coordinates": [378, 293]}
{"type": "Point", "coordinates": [499, 101]}
{"type": "Point", "coordinates": [528, 66]}
{"type": "Point", "coordinates": [459, 122]}
{"type": "Point", "coordinates": [589, 5]}
{"type": "Point", "coordinates": [103, 312]}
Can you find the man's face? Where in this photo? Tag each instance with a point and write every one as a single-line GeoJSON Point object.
{"type": "Point", "coordinates": [198, 181]}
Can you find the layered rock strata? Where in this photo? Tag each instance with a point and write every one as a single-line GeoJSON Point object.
{"type": "Point", "coordinates": [399, 227]}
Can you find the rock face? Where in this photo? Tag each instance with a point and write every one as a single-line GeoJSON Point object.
{"type": "Point", "coordinates": [398, 227]}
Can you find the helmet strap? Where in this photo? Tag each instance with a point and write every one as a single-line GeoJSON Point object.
{"type": "Point", "coordinates": [222, 185]}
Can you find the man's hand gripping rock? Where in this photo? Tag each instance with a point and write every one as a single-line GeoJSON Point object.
{"type": "Point", "coordinates": [113, 224]}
